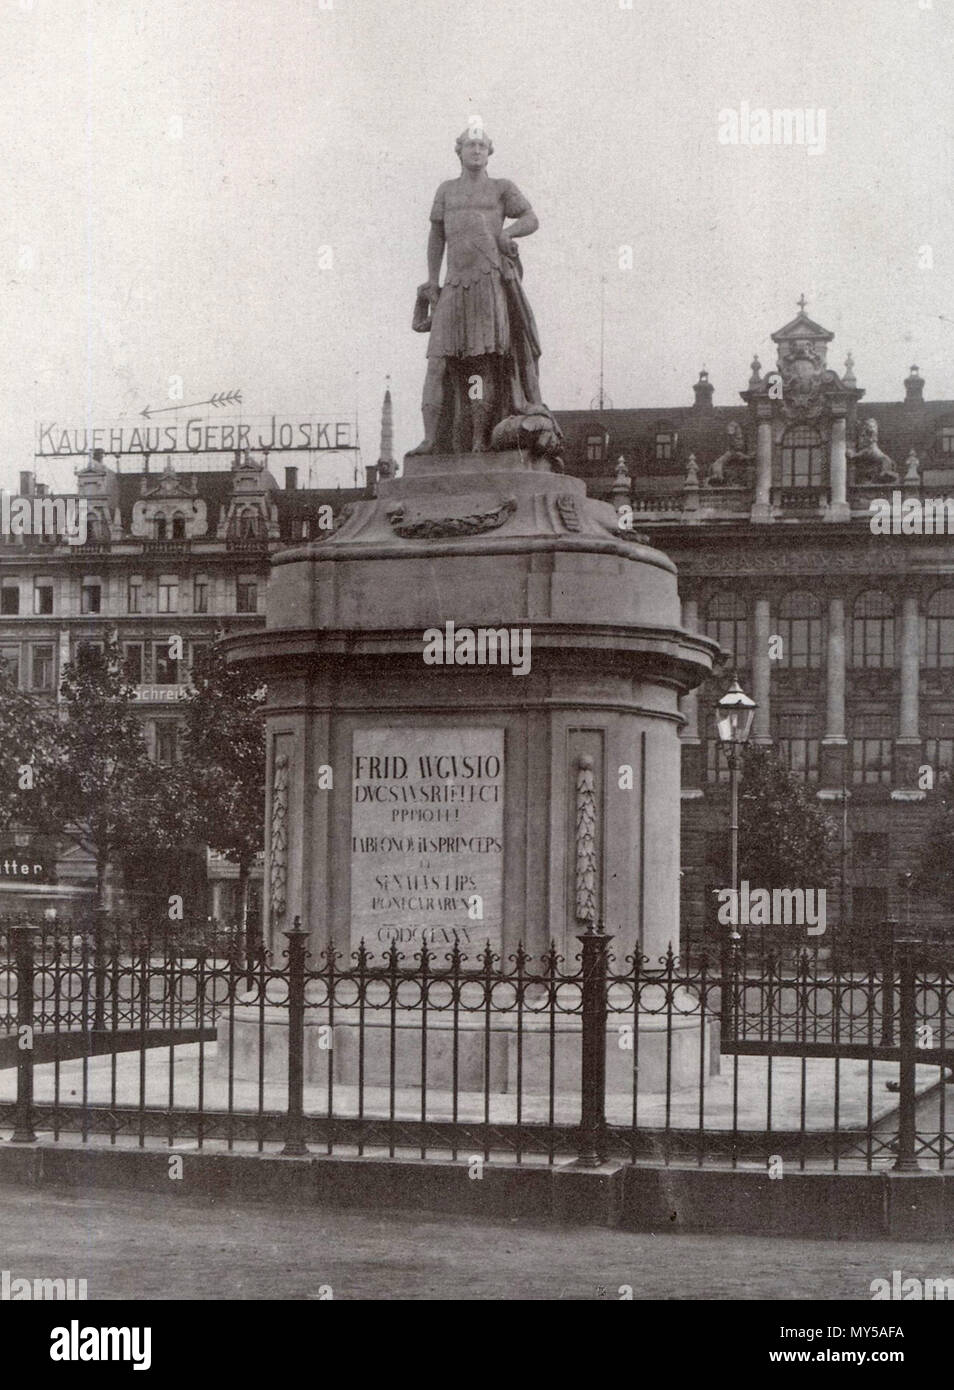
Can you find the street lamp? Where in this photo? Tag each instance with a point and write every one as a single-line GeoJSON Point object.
{"type": "Point", "coordinates": [734, 715]}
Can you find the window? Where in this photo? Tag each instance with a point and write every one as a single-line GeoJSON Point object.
{"type": "Point", "coordinates": [595, 448]}
{"type": "Point", "coordinates": [248, 523]}
{"type": "Point", "coordinates": [168, 593]}
{"type": "Point", "coordinates": [796, 743]}
{"type": "Point", "coordinates": [871, 847]}
{"type": "Point", "coordinates": [86, 647]}
{"type": "Point", "coordinates": [10, 597]}
{"type": "Point", "coordinates": [167, 741]}
{"type": "Point", "coordinates": [246, 594]}
{"type": "Point", "coordinates": [42, 665]}
{"type": "Point", "coordinates": [939, 743]}
{"type": "Point", "coordinates": [161, 528]}
{"type": "Point", "coordinates": [946, 439]}
{"type": "Point", "coordinates": [178, 527]}
{"type": "Point", "coordinates": [134, 594]}
{"type": "Point", "coordinates": [43, 596]}
{"type": "Point", "coordinates": [167, 668]}
{"type": "Point", "coordinates": [872, 740]}
{"type": "Point", "coordinates": [803, 458]}
{"type": "Point", "coordinates": [665, 442]}
{"type": "Point", "coordinates": [799, 624]}
{"type": "Point", "coordinates": [91, 596]}
{"type": "Point", "coordinates": [939, 630]}
{"type": "Point", "coordinates": [200, 594]}
{"type": "Point", "coordinates": [872, 630]}
{"type": "Point", "coordinates": [727, 622]}
{"type": "Point", "coordinates": [10, 662]}
{"type": "Point", "coordinates": [133, 653]}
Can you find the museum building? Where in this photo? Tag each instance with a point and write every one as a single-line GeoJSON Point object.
{"type": "Point", "coordinates": [766, 508]}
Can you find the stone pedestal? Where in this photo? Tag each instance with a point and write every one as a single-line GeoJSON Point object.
{"type": "Point", "coordinates": [511, 792]}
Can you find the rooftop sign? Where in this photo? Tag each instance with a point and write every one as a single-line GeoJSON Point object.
{"type": "Point", "coordinates": [197, 435]}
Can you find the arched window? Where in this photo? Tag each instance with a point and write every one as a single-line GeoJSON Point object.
{"type": "Point", "coordinates": [248, 523]}
{"type": "Point", "coordinates": [803, 458]}
{"type": "Point", "coordinates": [727, 622]}
{"type": "Point", "coordinates": [939, 630]}
{"type": "Point", "coordinates": [872, 630]}
{"type": "Point", "coordinates": [178, 527]}
{"type": "Point", "coordinates": [161, 528]}
{"type": "Point", "coordinates": [799, 624]}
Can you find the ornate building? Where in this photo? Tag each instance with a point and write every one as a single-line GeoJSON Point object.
{"type": "Point", "coordinates": [843, 635]}
{"type": "Point", "coordinates": [169, 554]}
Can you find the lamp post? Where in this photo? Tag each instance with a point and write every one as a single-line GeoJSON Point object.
{"type": "Point", "coordinates": [734, 715]}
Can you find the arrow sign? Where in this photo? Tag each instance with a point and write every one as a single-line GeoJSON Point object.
{"type": "Point", "coordinates": [220, 399]}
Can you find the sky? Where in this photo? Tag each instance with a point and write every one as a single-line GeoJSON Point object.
{"type": "Point", "coordinates": [237, 194]}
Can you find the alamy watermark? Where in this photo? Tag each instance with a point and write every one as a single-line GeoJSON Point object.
{"type": "Point", "coordinates": [19, 1289]}
{"type": "Point", "coordinates": [51, 517]}
{"type": "Point", "coordinates": [910, 516]}
{"type": "Point", "coordinates": [481, 646]}
{"type": "Point", "coordinates": [803, 125]}
{"type": "Point", "coordinates": [775, 907]}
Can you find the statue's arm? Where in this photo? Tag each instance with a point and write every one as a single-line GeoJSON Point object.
{"type": "Point", "coordinates": [525, 225]}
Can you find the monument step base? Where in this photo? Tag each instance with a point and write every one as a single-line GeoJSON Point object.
{"type": "Point", "coordinates": [661, 1053]}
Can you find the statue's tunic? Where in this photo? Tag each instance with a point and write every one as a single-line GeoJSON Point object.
{"type": "Point", "coordinates": [472, 316]}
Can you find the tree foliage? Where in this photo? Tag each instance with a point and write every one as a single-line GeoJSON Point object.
{"type": "Point", "coordinates": [224, 754]}
{"type": "Point", "coordinates": [786, 838]}
{"type": "Point", "coordinates": [27, 736]}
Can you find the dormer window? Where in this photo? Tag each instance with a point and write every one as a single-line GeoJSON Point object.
{"type": "Point", "coordinates": [161, 528]}
{"type": "Point", "coordinates": [946, 439]}
{"type": "Point", "coordinates": [178, 527]}
{"type": "Point", "coordinates": [595, 447]}
{"type": "Point", "coordinates": [665, 445]}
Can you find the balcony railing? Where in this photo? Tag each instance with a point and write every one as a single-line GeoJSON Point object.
{"type": "Point", "coordinates": [166, 547]}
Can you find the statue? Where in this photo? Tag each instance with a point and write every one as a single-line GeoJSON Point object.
{"type": "Point", "coordinates": [735, 455]}
{"type": "Point", "coordinates": [875, 467]}
{"type": "Point", "coordinates": [482, 389]}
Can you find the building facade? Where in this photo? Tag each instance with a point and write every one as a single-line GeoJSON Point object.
{"type": "Point", "coordinates": [172, 560]}
{"type": "Point", "coordinates": [813, 541]}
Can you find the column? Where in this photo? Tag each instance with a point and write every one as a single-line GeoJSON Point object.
{"type": "Point", "coordinates": [838, 509]}
{"type": "Point", "coordinates": [834, 744]}
{"type": "Point", "coordinates": [907, 753]}
{"type": "Point", "coordinates": [762, 506]}
{"type": "Point", "coordinates": [761, 674]}
{"type": "Point", "coordinates": [689, 740]}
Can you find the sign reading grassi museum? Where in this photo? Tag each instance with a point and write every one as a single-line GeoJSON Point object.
{"type": "Point", "coordinates": [427, 839]}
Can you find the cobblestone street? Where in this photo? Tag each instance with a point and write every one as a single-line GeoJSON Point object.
{"type": "Point", "coordinates": [142, 1246]}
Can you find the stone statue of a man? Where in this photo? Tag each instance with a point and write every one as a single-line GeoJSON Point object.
{"type": "Point", "coordinates": [482, 387]}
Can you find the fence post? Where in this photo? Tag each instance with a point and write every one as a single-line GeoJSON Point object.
{"type": "Point", "coordinates": [907, 1162]}
{"type": "Point", "coordinates": [295, 1144]}
{"type": "Point", "coordinates": [23, 1131]}
{"type": "Point", "coordinates": [592, 1141]}
{"type": "Point", "coordinates": [887, 983]}
{"type": "Point", "coordinates": [99, 970]}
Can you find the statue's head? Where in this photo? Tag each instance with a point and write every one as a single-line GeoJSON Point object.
{"type": "Point", "coordinates": [474, 144]}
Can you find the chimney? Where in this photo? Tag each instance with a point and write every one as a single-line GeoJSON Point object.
{"type": "Point", "coordinates": [291, 478]}
{"type": "Point", "coordinates": [26, 484]}
{"type": "Point", "coordinates": [704, 391]}
{"type": "Point", "coordinates": [914, 388]}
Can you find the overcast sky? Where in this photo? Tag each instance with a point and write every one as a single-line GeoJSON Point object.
{"type": "Point", "coordinates": [175, 168]}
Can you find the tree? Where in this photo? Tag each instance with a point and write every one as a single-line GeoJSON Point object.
{"type": "Point", "coordinates": [785, 836]}
{"type": "Point", "coordinates": [27, 732]}
{"type": "Point", "coordinates": [99, 787]}
{"type": "Point", "coordinates": [934, 874]}
{"type": "Point", "coordinates": [224, 756]}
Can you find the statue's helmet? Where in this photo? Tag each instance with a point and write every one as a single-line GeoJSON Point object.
{"type": "Point", "coordinates": [474, 131]}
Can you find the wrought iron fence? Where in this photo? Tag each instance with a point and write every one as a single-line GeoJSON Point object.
{"type": "Point", "coordinates": [746, 1057]}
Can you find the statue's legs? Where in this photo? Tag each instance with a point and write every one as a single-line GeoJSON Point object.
{"type": "Point", "coordinates": [432, 403]}
{"type": "Point", "coordinates": [481, 385]}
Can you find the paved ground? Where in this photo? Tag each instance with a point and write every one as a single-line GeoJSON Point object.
{"type": "Point", "coordinates": [134, 1245]}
